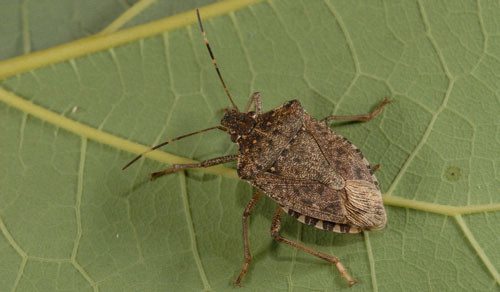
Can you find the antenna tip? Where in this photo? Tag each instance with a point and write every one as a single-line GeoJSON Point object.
{"type": "Point", "coordinates": [199, 19]}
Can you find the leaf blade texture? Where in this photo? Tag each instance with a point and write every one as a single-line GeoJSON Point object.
{"type": "Point", "coordinates": [70, 219]}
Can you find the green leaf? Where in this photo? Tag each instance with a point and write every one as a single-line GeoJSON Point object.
{"type": "Point", "coordinates": [71, 220]}
{"type": "Point", "coordinates": [29, 26]}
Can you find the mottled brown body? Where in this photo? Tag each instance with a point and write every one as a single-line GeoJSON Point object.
{"type": "Point", "coordinates": [314, 174]}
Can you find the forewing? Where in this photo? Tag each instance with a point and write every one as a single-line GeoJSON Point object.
{"type": "Point", "coordinates": [305, 196]}
{"type": "Point", "coordinates": [363, 199]}
{"type": "Point", "coordinates": [303, 159]}
{"type": "Point", "coordinates": [322, 175]}
{"type": "Point", "coordinates": [346, 158]}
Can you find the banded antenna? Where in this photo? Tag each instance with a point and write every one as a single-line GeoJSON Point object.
{"type": "Point", "coordinates": [213, 61]}
{"type": "Point", "coordinates": [200, 131]}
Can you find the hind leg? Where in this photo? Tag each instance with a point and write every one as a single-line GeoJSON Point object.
{"type": "Point", "coordinates": [275, 233]}
{"type": "Point", "coordinates": [246, 247]}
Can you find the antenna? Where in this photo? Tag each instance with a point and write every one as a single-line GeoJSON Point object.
{"type": "Point", "coordinates": [213, 61]}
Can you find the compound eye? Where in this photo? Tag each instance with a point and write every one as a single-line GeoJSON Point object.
{"type": "Point", "coordinates": [253, 115]}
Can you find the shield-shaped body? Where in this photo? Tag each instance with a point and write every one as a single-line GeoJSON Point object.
{"type": "Point", "coordinates": [313, 173]}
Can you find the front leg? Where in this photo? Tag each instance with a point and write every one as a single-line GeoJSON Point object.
{"type": "Point", "coordinates": [206, 163]}
{"type": "Point", "coordinates": [360, 118]}
{"type": "Point", "coordinates": [256, 99]}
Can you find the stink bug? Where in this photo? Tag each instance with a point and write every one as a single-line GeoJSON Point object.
{"type": "Point", "coordinates": [314, 174]}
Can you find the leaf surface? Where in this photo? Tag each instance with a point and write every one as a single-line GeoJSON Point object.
{"type": "Point", "coordinates": [29, 26]}
{"type": "Point", "coordinates": [71, 220]}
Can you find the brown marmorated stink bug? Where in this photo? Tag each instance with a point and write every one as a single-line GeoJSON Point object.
{"type": "Point", "coordinates": [314, 174]}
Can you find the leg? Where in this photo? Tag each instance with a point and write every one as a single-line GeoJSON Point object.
{"type": "Point", "coordinates": [257, 100]}
{"type": "Point", "coordinates": [246, 248]}
{"type": "Point", "coordinates": [275, 229]}
{"type": "Point", "coordinates": [173, 140]}
{"type": "Point", "coordinates": [206, 163]}
{"type": "Point", "coordinates": [361, 118]}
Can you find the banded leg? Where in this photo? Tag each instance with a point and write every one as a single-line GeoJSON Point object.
{"type": "Point", "coordinates": [170, 141]}
{"type": "Point", "coordinates": [246, 247]}
{"type": "Point", "coordinates": [275, 229]}
{"type": "Point", "coordinates": [206, 163]}
{"type": "Point", "coordinates": [256, 99]}
{"type": "Point", "coordinates": [360, 118]}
